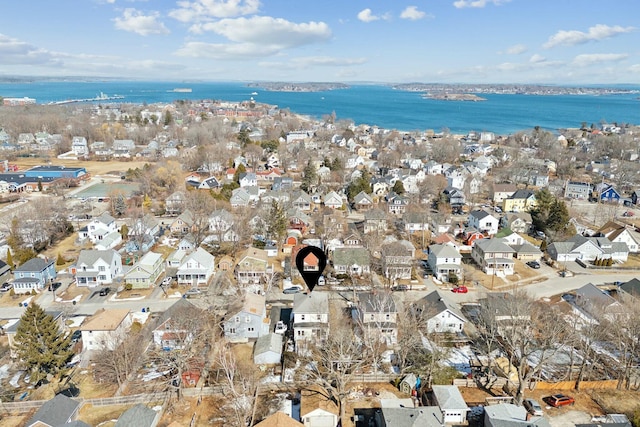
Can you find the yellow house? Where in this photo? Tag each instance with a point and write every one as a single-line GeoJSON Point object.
{"type": "Point", "coordinates": [520, 201]}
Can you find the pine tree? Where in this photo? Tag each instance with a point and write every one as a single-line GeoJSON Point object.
{"type": "Point", "coordinates": [277, 223]}
{"type": "Point", "coordinates": [40, 345]}
{"type": "Point", "coordinates": [60, 260]}
{"type": "Point", "coordinates": [310, 177]}
{"type": "Point", "coordinates": [398, 187]}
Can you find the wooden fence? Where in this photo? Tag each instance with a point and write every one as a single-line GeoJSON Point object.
{"type": "Point", "coordinates": [570, 385]}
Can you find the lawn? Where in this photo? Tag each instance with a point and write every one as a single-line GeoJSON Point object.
{"type": "Point", "coordinates": [93, 167]}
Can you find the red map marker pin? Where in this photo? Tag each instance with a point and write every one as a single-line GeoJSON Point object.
{"type": "Point", "coordinates": [311, 262]}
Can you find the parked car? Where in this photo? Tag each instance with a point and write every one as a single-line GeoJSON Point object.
{"type": "Point", "coordinates": [281, 327]}
{"type": "Point", "coordinates": [400, 288]}
{"type": "Point", "coordinates": [628, 214]}
{"type": "Point", "coordinates": [76, 336]}
{"type": "Point", "coordinates": [6, 287]}
{"type": "Point", "coordinates": [193, 291]}
{"type": "Point", "coordinates": [105, 291]}
{"type": "Point", "coordinates": [498, 209]}
{"type": "Point", "coordinates": [292, 290]}
{"type": "Point", "coordinates": [460, 290]}
{"type": "Point", "coordinates": [54, 286]}
{"type": "Point", "coordinates": [534, 264]}
{"type": "Point", "coordinates": [540, 234]}
{"type": "Point", "coordinates": [167, 281]}
{"type": "Point", "coordinates": [558, 400]}
{"type": "Point", "coordinates": [533, 407]}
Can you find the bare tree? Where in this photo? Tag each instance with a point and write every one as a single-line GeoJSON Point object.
{"type": "Point", "coordinates": [118, 358]}
{"type": "Point", "coordinates": [623, 327]}
{"type": "Point", "coordinates": [527, 332]}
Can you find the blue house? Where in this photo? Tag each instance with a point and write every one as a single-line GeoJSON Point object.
{"type": "Point", "coordinates": [607, 193]}
{"type": "Point", "coordinates": [34, 274]}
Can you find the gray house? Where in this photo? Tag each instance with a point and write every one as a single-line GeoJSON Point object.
{"type": "Point", "coordinates": [509, 415]}
{"type": "Point", "coordinates": [424, 416]}
{"type": "Point", "coordinates": [246, 319]}
{"type": "Point", "coordinates": [58, 411]}
{"type": "Point", "coordinates": [34, 274]}
{"type": "Point", "coordinates": [139, 416]}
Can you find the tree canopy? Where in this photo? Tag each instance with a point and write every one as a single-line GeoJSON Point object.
{"type": "Point", "coordinates": [40, 345]}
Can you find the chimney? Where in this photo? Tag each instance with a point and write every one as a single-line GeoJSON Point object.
{"type": "Point", "coordinates": [528, 416]}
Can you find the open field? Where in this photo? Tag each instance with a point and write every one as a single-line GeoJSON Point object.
{"type": "Point", "coordinates": [92, 166]}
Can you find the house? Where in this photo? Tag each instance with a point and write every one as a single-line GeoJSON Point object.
{"type": "Point", "coordinates": [510, 415]}
{"type": "Point", "coordinates": [55, 412]}
{"type": "Point", "coordinates": [175, 202]}
{"type": "Point", "coordinates": [483, 222]}
{"type": "Point", "coordinates": [525, 251]}
{"type": "Point", "coordinates": [253, 266]}
{"type": "Point", "coordinates": [451, 403]}
{"type": "Point", "coordinates": [618, 233]}
{"type": "Point", "coordinates": [518, 222]}
{"type": "Point", "coordinates": [396, 203]}
{"type": "Point", "coordinates": [79, 146]}
{"type": "Point", "coordinates": [268, 349]}
{"type": "Point", "coordinates": [248, 179]}
{"type": "Point", "coordinates": [109, 241]}
{"type": "Point", "coordinates": [632, 287]}
{"type": "Point", "coordinates": [606, 193]}
{"type": "Point", "coordinates": [246, 319]}
{"type": "Point", "coordinates": [415, 221]}
{"type": "Point", "coordinates": [407, 416]}
{"type": "Point", "coordinates": [100, 227]}
{"type": "Point", "coordinates": [332, 200]}
{"type": "Point", "coordinates": [351, 260]}
{"type": "Point", "coordinates": [145, 273]}
{"type": "Point", "coordinates": [148, 225]}
{"type": "Point", "coordinates": [494, 257]}
{"type": "Point", "coordinates": [279, 419]}
{"type": "Point", "coordinates": [123, 148]}
{"type": "Point", "coordinates": [439, 315]}
{"type": "Point", "coordinates": [363, 202]}
{"type": "Point", "coordinates": [597, 302]}
{"type": "Point", "coordinates": [310, 318]}
{"type": "Point", "coordinates": [183, 224]}
{"type": "Point", "coordinates": [187, 243]}
{"type": "Point", "coordinates": [221, 223]}
{"type": "Point", "coordinates": [577, 190]}
{"type": "Point", "coordinates": [107, 328]}
{"type": "Point", "coordinates": [300, 200]}
{"type": "Point", "coordinates": [375, 221]}
{"type": "Point", "coordinates": [445, 262]}
{"type": "Point", "coordinates": [454, 196]}
{"type": "Point", "coordinates": [33, 275]}
{"type": "Point", "coordinates": [139, 416]}
{"type": "Point", "coordinates": [377, 316]}
{"type": "Point", "coordinates": [196, 269]}
{"type": "Point", "coordinates": [210, 183]}
{"type": "Point", "coordinates": [583, 248]}
{"type": "Point", "coordinates": [174, 331]}
{"type": "Point", "coordinates": [397, 260]}
{"type": "Point", "coordinates": [5, 272]}
{"type": "Point", "coordinates": [520, 201]}
{"type": "Point", "coordinates": [317, 409]}
{"type": "Point", "coordinates": [96, 268]}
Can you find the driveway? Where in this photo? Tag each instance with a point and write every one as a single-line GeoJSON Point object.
{"type": "Point", "coordinates": [570, 419]}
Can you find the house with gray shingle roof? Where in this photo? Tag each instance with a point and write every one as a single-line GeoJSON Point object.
{"type": "Point", "coordinates": [510, 415]}
{"type": "Point", "coordinates": [439, 315]}
{"type": "Point", "coordinates": [493, 256]}
{"type": "Point", "coordinates": [139, 416]}
{"type": "Point", "coordinates": [451, 403]}
{"type": "Point", "coordinates": [95, 267]}
{"type": "Point", "coordinates": [34, 274]}
{"type": "Point", "coordinates": [424, 416]}
{"type": "Point", "coordinates": [484, 222]}
{"type": "Point", "coordinates": [196, 269]}
{"type": "Point", "coordinates": [58, 411]}
{"type": "Point", "coordinates": [268, 349]}
{"type": "Point", "coordinates": [588, 249]}
{"type": "Point", "coordinates": [310, 318]}
{"type": "Point", "coordinates": [444, 261]}
{"type": "Point", "coordinates": [351, 261]}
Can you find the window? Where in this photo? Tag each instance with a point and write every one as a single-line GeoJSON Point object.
{"type": "Point", "coordinates": [237, 319]}
{"type": "Point", "coordinates": [101, 268]}
{"type": "Point", "coordinates": [302, 317]}
{"type": "Point", "coordinates": [251, 329]}
{"type": "Point", "coordinates": [232, 330]}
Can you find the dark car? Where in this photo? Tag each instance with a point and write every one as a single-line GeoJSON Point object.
{"type": "Point", "coordinates": [557, 400]}
{"type": "Point", "coordinates": [54, 286]}
{"type": "Point", "coordinates": [6, 286]}
{"type": "Point", "coordinates": [105, 291]}
{"type": "Point", "coordinates": [76, 336]}
{"type": "Point", "coordinates": [400, 288]}
{"type": "Point", "coordinates": [534, 264]}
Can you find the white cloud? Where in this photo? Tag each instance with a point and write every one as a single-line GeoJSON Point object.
{"type": "Point", "coordinates": [516, 49]}
{"type": "Point", "coordinates": [136, 22]}
{"type": "Point", "coordinates": [535, 59]}
{"type": "Point", "coordinates": [256, 36]}
{"type": "Point", "coordinates": [14, 51]}
{"type": "Point", "coordinates": [462, 4]}
{"type": "Point", "coordinates": [595, 33]}
{"type": "Point", "coordinates": [206, 10]}
{"type": "Point", "coordinates": [366, 15]}
{"type": "Point", "coordinates": [596, 58]}
{"type": "Point", "coordinates": [315, 61]}
{"type": "Point", "coordinates": [412, 13]}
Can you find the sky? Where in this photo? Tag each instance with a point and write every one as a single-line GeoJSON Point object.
{"type": "Point", "coordinates": [392, 41]}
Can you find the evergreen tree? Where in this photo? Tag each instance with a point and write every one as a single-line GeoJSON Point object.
{"type": "Point", "coordinates": [398, 187]}
{"type": "Point", "coordinates": [60, 260]}
{"type": "Point", "coordinates": [239, 170]}
{"type": "Point", "coordinates": [310, 177]}
{"type": "Point", "coordinates": [119, 205]}
{"type": "Point", "coordinates": [277, 224]}
{"type": "Point", "coordinates": [124, 231]}
{"type": "Point", "coordinates": [40, 345]}
{"type": "Point", "coordinates": [363, 183]}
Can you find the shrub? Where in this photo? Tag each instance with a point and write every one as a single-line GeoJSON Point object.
{"type": "Point", "coordinates": [60, 260]}
{"type": "Point", "coordinates": [128, 286]}
{"type": "Point", "coordinates": [12, 292]}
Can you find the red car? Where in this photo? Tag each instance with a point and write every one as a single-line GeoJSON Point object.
{"type": "Point", "coordinates": [558, 400]}
{"type": "Point", "coordinates": [460, 290]}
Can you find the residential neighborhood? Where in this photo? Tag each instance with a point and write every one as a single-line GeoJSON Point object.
{"type": "Point", "coordinates": [160, 262]}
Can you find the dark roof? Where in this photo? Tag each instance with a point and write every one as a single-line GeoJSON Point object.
{"type": "Point", "coordinates": [632, 287]}
{"type": "Point", "coordinates": [34, 264]}
{"type": "Point", "coordinates": [55, 412]}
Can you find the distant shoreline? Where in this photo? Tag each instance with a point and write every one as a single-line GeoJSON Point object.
{"type": "Point", "coordinates": [454, 97]}
{"type": "Point", "coordinates": [298, 87]}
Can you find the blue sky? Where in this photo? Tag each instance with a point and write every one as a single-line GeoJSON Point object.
{"type": "Point", "coordinates": [448, 41]}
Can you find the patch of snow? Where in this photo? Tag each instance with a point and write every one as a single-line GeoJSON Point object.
{"type": "Point", "coordinates": [4, 372]}
{"type": "Point", "coordinates": [76, 321]}
{"type": "Point", "coordinates": [140, 317]}
{"type": "Point", "coordinates": [14, 380]}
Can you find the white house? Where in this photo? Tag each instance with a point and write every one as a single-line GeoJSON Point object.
{"type": "Point", "coordinates": [95, 267]}
{"type": "Point", "coordinates": [79, 146]}
{"type": "Point", "coordinates": [268, 350]}
{"type": "Point", "coordinates": [484, 222]}
{"type": "Point", "coordinates": [310, 318]}
{"type": "Point", "coordinates": [618, 233]}
{"type": "Point", "coordinates": [196, 269]}
{"type": "Point", "coordinates": [105, 329]}
{"type": "Point", "coordinates": [440, 316]}
{"type": "Point", "coordinates": [444, 261]}
{"type": "Point", "coordinates": [100, 227]}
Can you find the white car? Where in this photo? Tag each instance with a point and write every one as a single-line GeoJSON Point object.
{"type": "Point", "coordinates": [533, 407]}
{"type": "Point", "coordinates": [281, 327]}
